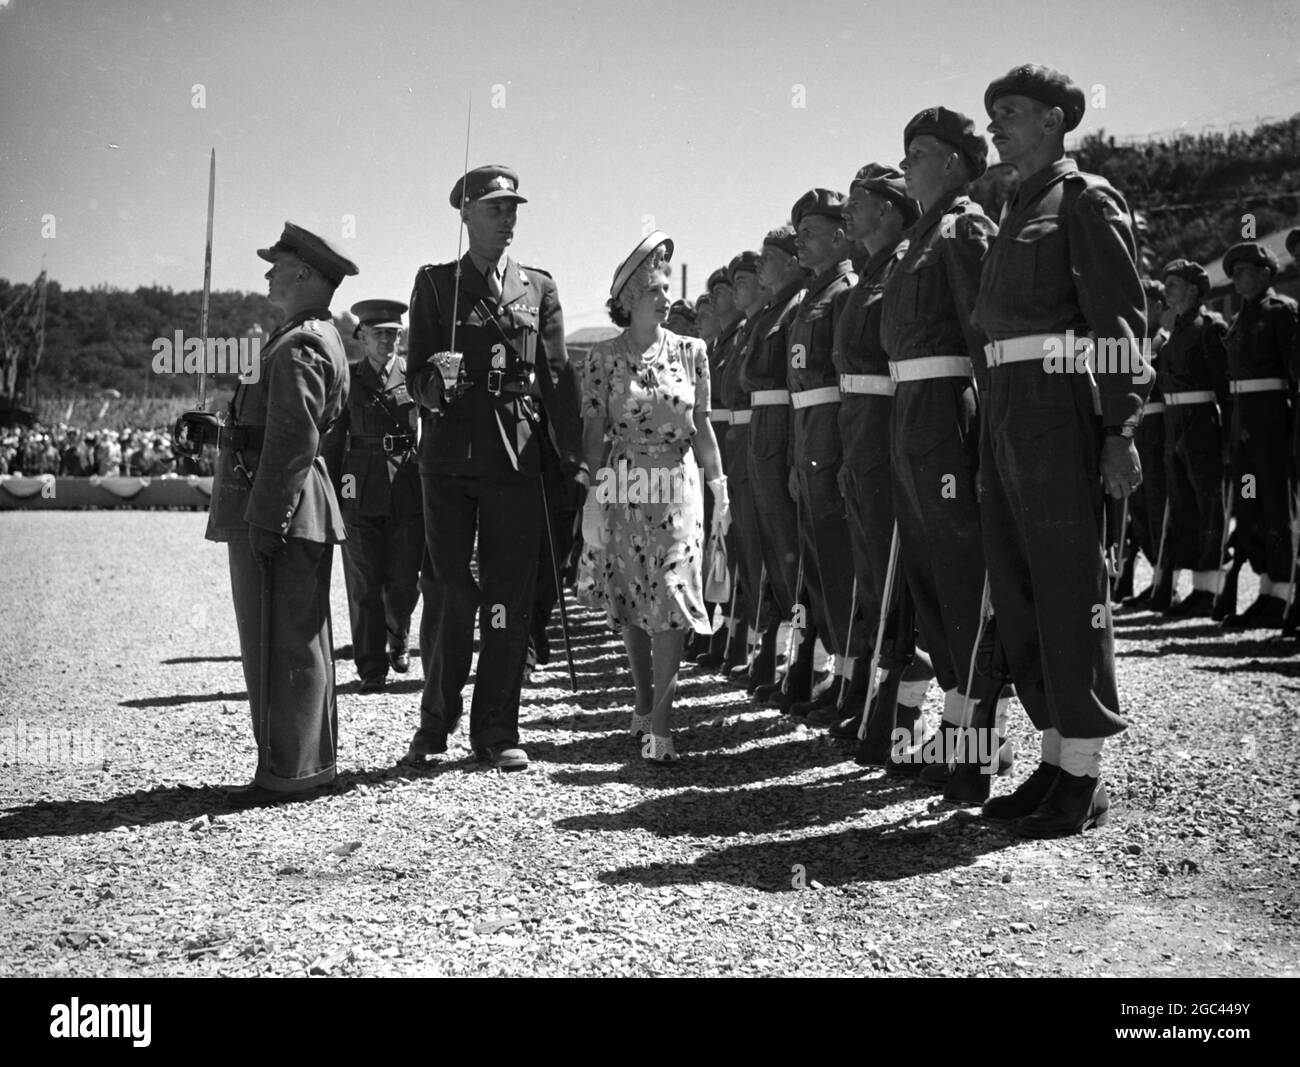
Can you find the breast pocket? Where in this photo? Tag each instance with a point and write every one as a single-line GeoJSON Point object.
{"type": "Point", "coordinates": [1039, 251]}
{"type": "Point", "coordinates": [917, 281]}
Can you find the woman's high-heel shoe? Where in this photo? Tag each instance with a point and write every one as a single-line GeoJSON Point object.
{"type": "Point", "coordinates": [640, 725]}
{"type": "Point", "coordinates": [658, 749]}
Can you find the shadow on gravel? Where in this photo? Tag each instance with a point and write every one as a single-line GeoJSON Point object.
{"type": "Point", "coordinates": [175, 700]}
{"type": "Point", "coordinates": [878, 854]}
{"type": "Point", "coordinates": [768, 809]}
{"type": "Point", "coordinates": [1267, 649]}
{"type": "Point", "coordinates": [199, 659]}
{"type": "Point", "coordinates": [178, 803]}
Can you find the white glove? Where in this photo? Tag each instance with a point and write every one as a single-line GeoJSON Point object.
{"type": "Point", "coordinates": [593, 522]}
{"type": "Point", "coordinates": [721, 507]}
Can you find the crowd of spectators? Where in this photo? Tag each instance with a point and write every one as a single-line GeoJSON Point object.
{"type": "Point", "coordinates": [68, 452]}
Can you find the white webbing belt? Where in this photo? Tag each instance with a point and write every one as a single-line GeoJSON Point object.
{"type": "Point", "coordinates": [925, 367]}
{"type": "Point", "coordinates": [877, 384]}
{"type": "Point", "coordinates": [768, 397]}
{"type": "Point", "coordinates": [1257, 385]}
{"type": "Point", "coordinates": [827, 394]}
{"type": "Point", "coordinates": [1191, 396]}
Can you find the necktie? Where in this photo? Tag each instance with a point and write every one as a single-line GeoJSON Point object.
{"type": "Point", "coordinates": [494, 284]}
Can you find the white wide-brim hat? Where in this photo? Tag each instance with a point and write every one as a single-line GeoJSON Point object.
{"type": "Point", "coordinates": [639, 255]}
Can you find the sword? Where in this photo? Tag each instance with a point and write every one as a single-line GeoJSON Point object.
{"type": "Point", "coordinates": [559, 589]}
{"type": "Point", "coordinates": [207, 286]}
{"type": "Point", "coordinates": [460, 230]}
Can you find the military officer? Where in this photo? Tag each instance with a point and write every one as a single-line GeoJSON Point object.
{"type": "Point", "coordinates": [876, 216]}
{"type": "Point", "coordinates": [1261, 345]}
{"type": "Point", "coordinates": [480, 461]}
{"type": "Point", "coordinates": [730, 317]}
{"type": "Point", "coordinates": [750, 297]}
{"type": "Point", "coordinates": [934, 359]}
{"type": "Point", "coordinates": [763, 374]}
{"type": "Point", "coordinates": [1191, 373]}
{"type": "Point", "coordinates": [1060, 412]}
{"type": "Point", "coordinates": [274, 505]}
{"type": "Point", "coordinates": [823, 248]}
{"type": "Point", "coordinates": [379, 488]}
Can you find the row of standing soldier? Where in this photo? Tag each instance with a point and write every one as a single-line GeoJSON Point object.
{"type": "Point", "coordinates": [900, 423]}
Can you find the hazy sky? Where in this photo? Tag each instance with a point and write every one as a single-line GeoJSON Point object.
{"type": "Point", "coordinates": [615, 115]}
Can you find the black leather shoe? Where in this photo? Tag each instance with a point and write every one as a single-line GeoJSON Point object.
{"type": "Point", "coordinates": [1265, 614]}
{"type": "Point", "coordinates": [1026, 797]}
{"type": "Point", "coordinates": [371, 685]}
{"type": "Point", "coordinates": [504, 757]}
{"type": "Point", "coordinates": [400, 658]}
{"type": "Point", "coordinates": [424, 745]}
{"type": "Point", "coordinates": [1139, 602]}
{"type": "Point", "coordinates": [763, 693]}
{"type": "Point", "coordinates": [827, 698]}
{"type": "Point", "coordinates": [1074, 803]}
{"type": "Point", "coordinates": [762, 671]}
{"type": "Point", "coordinates": [1198, 604]}
{"type": "Point", "coordinates": [846, 729]}
{"type": "Point", "coordinates": [712, 656]}
{"type": "Point", "coordinates": [969, 782]}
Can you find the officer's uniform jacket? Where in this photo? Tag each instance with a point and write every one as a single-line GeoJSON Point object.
{"type": "Point", "coordinates": [301, 390]}
{"type": "Point", "coordinates": [1194, 357]}
{"type": "Point", "coordinates": [1064, 260]}
{"type": "Point", "coordinates": [372, 481]}
{"type": "Point", "coordinates": [858, 350]}
{"type": "Point", "coordinates": [515, 357]}
{"type": "Point", "coordinates": [815, 443]}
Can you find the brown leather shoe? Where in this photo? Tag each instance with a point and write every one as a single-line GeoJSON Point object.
{"type": "Point", "coordinates": [1075, 803]}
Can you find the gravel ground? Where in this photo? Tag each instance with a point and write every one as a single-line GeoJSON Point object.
{"type": "Point", "coordinates": [765, 852]}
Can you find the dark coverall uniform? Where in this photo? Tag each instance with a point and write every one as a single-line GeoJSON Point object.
{"type": "Point", "coordinates": [724, 348]}
{"type": "Point", "coordinates": [815, 456]}
{"type": "Point", "coordinates": [762, 374]}
{"type": "Point", "coordinates": [480, 463]}
{"type": "Point", "coordinates": [934, 437]}
{"type": "Point", "coordinates": [1191, 373]}
{"type": "Point", "coordinates": [276, 435]}
{"type": "Point", "coordinates": [1261, 349]}
{"type": "Point", "coordinates": [749, 557]}
{"type": "Point", "coordinates": [1146, 506]}
{"type": "Point", "coordinates": [1064, 260]}
{"type": "Point", "coordinates": [379, 489]}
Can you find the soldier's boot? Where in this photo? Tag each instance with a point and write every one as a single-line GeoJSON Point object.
{"type": "Point", "coordinates": [853, 699]}
{"type": "Point", "coordinates": [1025, 798]}
{"type": "Point", "coordinates": [825, 694]}
{"type": "Point", "coordinates": [906, 743]}
{"type": "Point", "coordinates": [1074, 803]}
{"type": "Point", "coordinates": [762, 671]}
{"type": "Point", "coordinates": [735, 654]}
{"type": "Point", "coordinates": [797, 684]}
{"type": "Point", "coordinates": [712, 654]}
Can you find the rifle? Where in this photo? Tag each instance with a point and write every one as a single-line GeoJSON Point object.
{"type": "Point", "coordinates": [849, 667]}
{"type": "Point", "coordinates": [1162, 574]}
{"type": "Point", "coordinates": [197, 428]}
{"type": "Point", "coordinates": [1225, 600]}
{"type": "Point", "coordinates": [969, 780]}
{"type": "Point", "coordinates": [875, 732]}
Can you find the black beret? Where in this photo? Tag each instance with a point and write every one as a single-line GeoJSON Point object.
{"type": "Point", "coordinates": [825, 202]}
{"type": "Point", "coordinates": [1189, 272]}
{"type": "Point", "coordinates": [889, 183]}
{"type": "Point", "coordinates": [718, 277]}
{"type": "Point", "coordinates": [783, 238]}
{"type": "Point", "coordinates": [1292, 240]}
{"type": "Point", "coordinates": [487, 183]}
{"type": "Point", "coordinates": [1249, 252]}
{"type": "Point", "coordinates": [313, 250]}
{"type": "Point", "coordinates": [954, 128]}
{"type": "Point", "coordinates": [684, 309]}
{"type": "Point", "coordinates": [744, 261]}
{"type": "Point", "coordinates": [1043, 84]}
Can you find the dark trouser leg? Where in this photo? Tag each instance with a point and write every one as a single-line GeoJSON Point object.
{"type": "Point", "coordinates": [431, 598]}
{"type": "Point", "coordinates": [547, 596]}
{"type": "Point", "coordinates": [363, 565]}
{"type": "Point", "coordinates": [297, 731]}
{"type": "Point", "coordinates": [510, 523]}
{"type": "Point", "coordinates": [1041, 513]}
{"type": "Point", "coordinates": [870, 506]}
{"type": "Point", "coordinates": [774, 511]}
{"type": "Point", "coordinates": [450, 519]}
{"type": "Point", "coordinates": [1150, 444]}
{"type": "Point", "coordinates": [404, 538]}
{"type": "Point", "coordinates": [748, 557]}
{"type": "Point", "coordinates": [1195, 485]}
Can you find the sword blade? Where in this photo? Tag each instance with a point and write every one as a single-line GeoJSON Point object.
{"type": "Point", "coordinates": [207, 286]}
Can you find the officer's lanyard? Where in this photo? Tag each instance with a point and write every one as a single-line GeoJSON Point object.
{"type": "Point", "coordinates": [379, 399]}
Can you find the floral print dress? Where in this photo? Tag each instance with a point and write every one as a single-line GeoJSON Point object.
{"type": "Point", "coordinates": [648, 573]}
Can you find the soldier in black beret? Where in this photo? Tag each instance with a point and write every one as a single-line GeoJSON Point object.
{"type": "Point", "coordinates": [273, 502]}
{"type": "Point", "coordinates": [1262, 371]}
{"type": "Point", "coordinates": [682, 319]}
{"type": "Point", "coordinates": [1191, 374]}
{"type": "Point", "coordinates": [711, 651]}
{"type": "Point", "coordinates": [763, 375]}
{"type": "Point", "coordinates": [378, 486]}
{"type": "Point", "coordinates": [934, 360]}
{"type": "Point", "coordinates": [494, 403]}
{"type": "Point", "coordinates": [877, 215]}
{"type": "Point", "coordinates": [1062, 306]}
{"type": "Point", "coordinates": [816, 450]}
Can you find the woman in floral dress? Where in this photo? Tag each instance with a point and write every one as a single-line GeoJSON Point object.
{"type": "Point", "coordinates": [645, 411]}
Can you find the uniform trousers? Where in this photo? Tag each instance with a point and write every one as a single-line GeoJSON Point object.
{"type": "Point", "coordinates": [1259, 473]}
{"type": "Point", "coordinates": [823, 528]}
{"type": "Point", "coordinates": [1041, 510]}
{"type": "Point", "coordinates": [296, 725]}
{"type": "Point", "coordinates": [506, 513]}
{"type": "Point", "coordinates": [774, 511]}
{"type": "Point", "coordinates": [869, 500]}
{"type": "Point", "coordinates": [381, 562]}
{"type": "Point", "coordinates": [1146, 506]}
{"type": "Point", "coordinates": [546, 595]}
{"type": "Point", "coordinates": [1194, 481]}
{"type": "Point", "coordinates": [749, 555]}
{"type": "Point", "coordinates": [933, 453]}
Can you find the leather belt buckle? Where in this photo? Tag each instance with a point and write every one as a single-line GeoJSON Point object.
{"type": "Point", "coordinates": [495, 380]}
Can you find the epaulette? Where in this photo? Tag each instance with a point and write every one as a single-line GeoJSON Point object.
{"type": "Point", "coordinates": [537, 270]}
